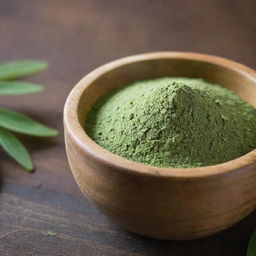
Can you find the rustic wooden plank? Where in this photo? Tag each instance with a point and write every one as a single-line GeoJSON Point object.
{"type": "Point", "coordinates": [79, 227]}
{"type": "Point", "coordinates": [75, 37]}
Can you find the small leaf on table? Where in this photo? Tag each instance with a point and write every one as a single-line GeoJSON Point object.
{"type": "Point", "coordinates": [12, 88]}
{"type": "Point", "coordinates": [15, 149]}
{"type": "Point", "coordinates": [50, 233]}
{"type": "Point", "coordinates": [23, 124]}
{"type": "Point", "coordinates": [15, 69]}
{"type": "Point", "coordinates": [251, 251]}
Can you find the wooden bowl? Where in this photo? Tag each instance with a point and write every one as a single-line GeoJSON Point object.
{"type": "Point", "coordinates": [163, 203]}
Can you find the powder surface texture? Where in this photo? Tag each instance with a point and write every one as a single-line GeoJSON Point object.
{"type": "Point", "coordinates": [173, 122]}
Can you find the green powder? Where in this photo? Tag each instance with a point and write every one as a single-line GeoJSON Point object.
{"type": "Point", "coordinates": [174, 122]}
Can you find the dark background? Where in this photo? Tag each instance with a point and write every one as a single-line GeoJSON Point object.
{"type": "Point", "coordinates": [75, 37]}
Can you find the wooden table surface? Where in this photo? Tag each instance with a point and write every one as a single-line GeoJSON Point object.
{"type": "Point", "coordinates": [76, 36]}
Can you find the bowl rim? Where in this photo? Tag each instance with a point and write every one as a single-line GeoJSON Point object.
{"type": "Point", "coordinates": [85, 143]}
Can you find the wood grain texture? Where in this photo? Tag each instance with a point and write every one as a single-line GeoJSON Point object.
{"type": "Point", "coordinates": [106, 30]}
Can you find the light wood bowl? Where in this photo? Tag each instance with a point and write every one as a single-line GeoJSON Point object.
{"type": "Point", "coordinates": [163, 203]}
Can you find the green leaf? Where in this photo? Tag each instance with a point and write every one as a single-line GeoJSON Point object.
{"type": "Point", "coordinates": [14, 69]}
{"type": "Point", "coordinates": [50, 233]}
{"type": "Point", "coordinates": [15, 149]}
{"type": "Point", "coordinates": [251, 251]}
{"type": "Point", "coordinates": [12, 88]}
{"type": "Point", "coordinates": [23, 124]}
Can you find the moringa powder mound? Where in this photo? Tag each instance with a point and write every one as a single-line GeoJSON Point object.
{"type": "Point", "coordinates": [173, 122]}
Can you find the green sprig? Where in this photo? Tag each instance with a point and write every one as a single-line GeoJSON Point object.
{"type": "Point", "coordinates": [251, 251]}
{"type": "Point", "coordinates": [14, 69]}
{"type": "Point", "coordinates": [18, 87]}
{"type": "Point", "coordinates": [11, 121]}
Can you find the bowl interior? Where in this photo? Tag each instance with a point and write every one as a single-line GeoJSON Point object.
{"type": "Point", "coordinates": [229, 77]}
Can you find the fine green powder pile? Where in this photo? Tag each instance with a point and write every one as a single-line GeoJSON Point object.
{"type": "Point", "coordinates": [173, 122]}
